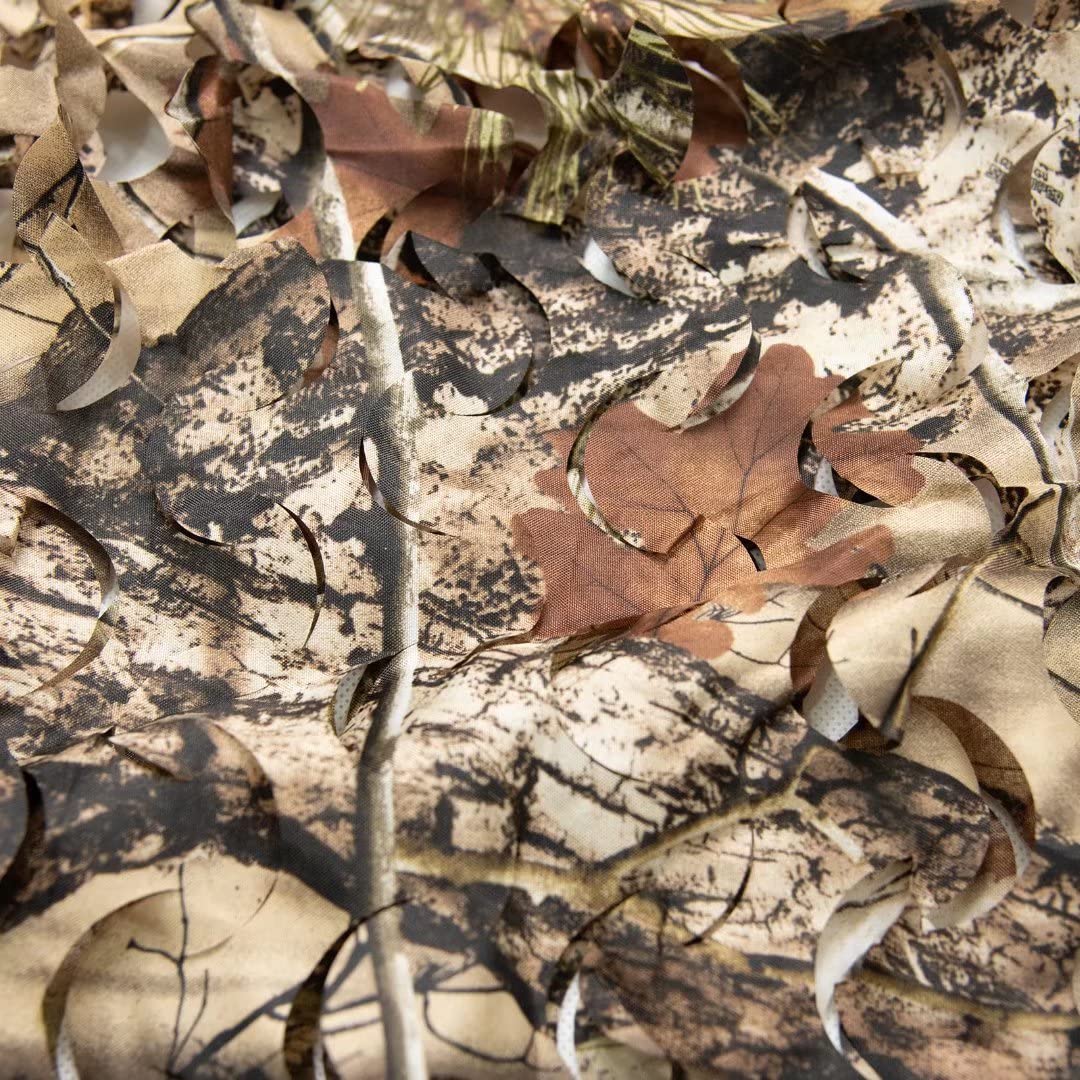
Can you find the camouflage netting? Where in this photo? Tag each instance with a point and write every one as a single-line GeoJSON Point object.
{"type": "Point", "coordinates": [539, 539]}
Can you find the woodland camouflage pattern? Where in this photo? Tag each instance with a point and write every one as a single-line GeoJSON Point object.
{"type": "Point", "coordinates": [539, 539]}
